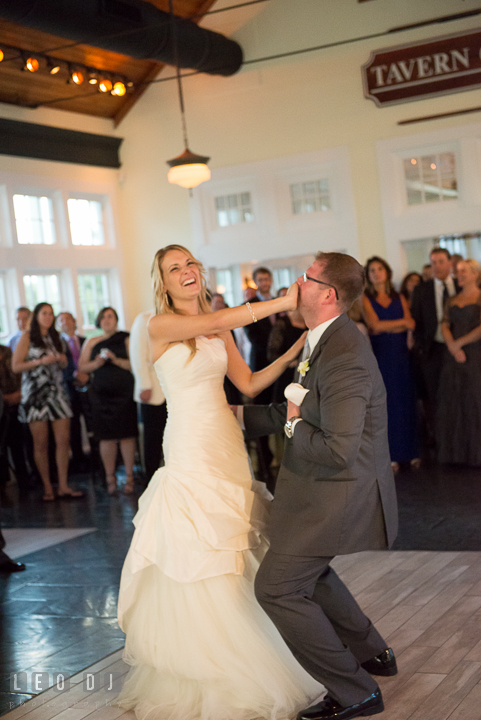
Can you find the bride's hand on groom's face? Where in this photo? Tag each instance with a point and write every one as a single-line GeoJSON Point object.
{"type": "Point", "coordinates": [292, 295]}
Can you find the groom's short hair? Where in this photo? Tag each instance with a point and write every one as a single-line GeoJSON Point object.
{"type": "Point", "coordinates": [345, 274]}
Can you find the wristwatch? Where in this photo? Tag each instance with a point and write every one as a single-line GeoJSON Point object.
{"type": "Point", "coordinates": [288, 427]}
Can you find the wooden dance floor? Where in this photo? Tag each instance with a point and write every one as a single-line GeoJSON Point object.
{"type": "Point", "coordinates": [426, 604]}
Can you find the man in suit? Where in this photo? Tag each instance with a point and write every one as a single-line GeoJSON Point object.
{"type": "Point", "coordinates": [76, 385]}
{"type": "Point", "coordinates": [427, 308]}
{"type": "Point", "coordinates": [148, 393]}
{"type": "Point", "coordinates": [335, 495]}
{"type": "Point", "coordinates": [258, 336]}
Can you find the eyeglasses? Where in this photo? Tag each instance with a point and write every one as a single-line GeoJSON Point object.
{"type": "Point", "coordinates": [321, 282]}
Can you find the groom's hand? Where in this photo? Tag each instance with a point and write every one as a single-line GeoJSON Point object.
{"type": "Point", "coordinates": [292, 410]}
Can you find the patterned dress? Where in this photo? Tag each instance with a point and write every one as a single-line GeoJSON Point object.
{"type": "Point", "coordinates": [44, 396]}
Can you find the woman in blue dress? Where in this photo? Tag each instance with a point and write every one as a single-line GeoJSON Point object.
{"type": "Point", "coordinates": [388, 318]}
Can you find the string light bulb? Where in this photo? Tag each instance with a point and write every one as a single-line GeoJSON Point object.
{"type": "Point", "coordinates": [53, 67]}
{"type": "Point", "coordinates": [93, 77]}
{"type": "Point", "coordinates": [105, 85]}
{"type": "Point", "coordinates": [118, 89]}
{"type": "Point", "coordinates": [31, 64]}
{"type": "Point", "coordinates": [77, 77]}
{"type": "Point", "coordinates": [2, 55]}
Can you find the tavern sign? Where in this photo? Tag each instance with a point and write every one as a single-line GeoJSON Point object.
{"type": "Point", "coordinates": [436, 67]}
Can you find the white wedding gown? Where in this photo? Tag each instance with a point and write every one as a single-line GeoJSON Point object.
{"type": "Point", "coordinates": [201, 646]}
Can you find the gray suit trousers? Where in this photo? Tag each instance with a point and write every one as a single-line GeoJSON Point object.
{"type": "Point", "coordinates": [321, 623]}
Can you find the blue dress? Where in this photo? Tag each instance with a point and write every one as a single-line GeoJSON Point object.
{"type": "Point", "coordinates": [392, 355]}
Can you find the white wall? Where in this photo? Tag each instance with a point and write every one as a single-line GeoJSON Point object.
{"type": "Point", "coordinates": [307, 103]}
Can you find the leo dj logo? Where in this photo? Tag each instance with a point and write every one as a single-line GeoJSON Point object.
{"type": "Point", "coordinates": [60, 682]}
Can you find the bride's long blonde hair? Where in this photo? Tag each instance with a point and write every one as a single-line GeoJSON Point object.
{"type": "Point", "coordinates": [162, 300]}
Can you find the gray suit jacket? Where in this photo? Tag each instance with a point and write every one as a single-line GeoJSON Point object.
{"type": "Point", "coordinates": [335, 492]}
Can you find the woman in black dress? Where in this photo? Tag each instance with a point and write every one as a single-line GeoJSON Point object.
{"type": "Point", "coordinates": [459, 403]}
{"type": "Point", "coordinates": [40, 357]}
{"type": "Point", "coordinates": [287, 328]}
{"type": "Point", "coordinates": [114, 413]}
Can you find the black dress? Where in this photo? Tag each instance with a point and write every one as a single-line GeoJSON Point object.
{"type": "Point", "coordinates": [111, 390]}
{"type": "Point", "coordinates": [458, 420]}
{"type": "Point", "coordinates": [283, 335]}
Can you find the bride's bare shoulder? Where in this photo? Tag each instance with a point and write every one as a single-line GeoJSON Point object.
{"type": "Point", "coordinates": [155, 324]}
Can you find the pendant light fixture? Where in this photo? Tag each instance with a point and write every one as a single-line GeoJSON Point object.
{"type": "Point", "coordinates": [187, 169]}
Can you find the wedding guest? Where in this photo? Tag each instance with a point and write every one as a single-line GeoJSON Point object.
{"type": "Point", "coordinates": [286, 330]}
{"type": "Point", "coordinates": [410, 281]}
{"type": "Point", "coordinates": [7, 565]}
{"type": "Point", "coordinates": [24, 315]}
{"type": "Point", "coordinates": [357, 316]}
{"type": "Point", "coordinates": [232, 394]}
{"type": "Point", "coordinates": [258, 336]}
{"type": "Point", "coordinates": [427, 273]}
{"type": "Point", "coordinates": [114, 413]}
{"type": "Point", "coordinates": [40, 356]}
{"type": "Point", "coordinates": [148, 393]}
{"type": "Point", "coordinates": [427, 308]}
{"type": "Point", "coordinates": [388, 318]}
{"type": "Point", "coordinates": [76, 383]}
{"type": "Point", "coordinates": [459, 404]}
{"type": "Point", "coordinates": [242, 341]}
{"type": "Point", "coordinates": [455, 259]}
{"type": "Point", "coordinates": [11, 428]}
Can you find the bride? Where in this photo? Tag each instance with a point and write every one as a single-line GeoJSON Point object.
{"type": "Point", "coordinates": [200, 645]}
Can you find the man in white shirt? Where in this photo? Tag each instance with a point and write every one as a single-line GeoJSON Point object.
{"type": "Point", "coordinates": [148, 393]}
{"type": "Point", "coordinates": [23, 323]}
{"type": "Point", "coordinates": [427, 309]}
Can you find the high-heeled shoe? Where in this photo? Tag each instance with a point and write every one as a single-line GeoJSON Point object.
{"type": "Point", "coordinates": [129, 487]}
{"type": "Point", "coordinates": [111, 483]}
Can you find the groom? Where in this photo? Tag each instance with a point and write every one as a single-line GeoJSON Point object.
{"type": "Point", "coordinates": [335, 495]}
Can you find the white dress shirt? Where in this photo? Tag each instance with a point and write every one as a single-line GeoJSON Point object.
{"type": "Point", "coordinates": [438, 293]}
{"type": "Point", "coordinates": [313, 337]}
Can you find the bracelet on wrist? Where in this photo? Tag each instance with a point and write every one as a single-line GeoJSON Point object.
{"type": "Point", "coordinates": [248, 306]}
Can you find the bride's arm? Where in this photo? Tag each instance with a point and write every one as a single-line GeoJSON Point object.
{"type": "Point", "coordinates": [249, 383]}
{"type": "Point", "coordinates": [168, 328]}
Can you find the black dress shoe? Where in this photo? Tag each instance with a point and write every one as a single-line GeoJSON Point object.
{"type": "Point", "coordinates": [383, 664]}
{"type": "Point", "coordinates": [10, 567]}
{"type": "Point", "coordinates": [330, 709]}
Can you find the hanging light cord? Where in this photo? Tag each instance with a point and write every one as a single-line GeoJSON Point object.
{"type": "Point", "coordinates": [177, 72]}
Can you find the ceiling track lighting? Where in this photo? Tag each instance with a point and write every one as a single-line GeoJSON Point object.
{"type": "Point", "coordinates": [77, 73]}
{"type": "Point", "coordinates": [187, 169]}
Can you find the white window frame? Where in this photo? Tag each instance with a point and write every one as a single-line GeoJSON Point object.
{"type": "Point", "coordinates": [4, 308]}
{"type": "Point", "coordinates": [94, 271]}
{"type": "Point", "coordinates": [107, 217]}
{"type": "Point", "coordinates": [62, 258]}
{"type": "Point", "coordinates": [403, 222]}
{"type": "Point", "coordinates": [45, 273]}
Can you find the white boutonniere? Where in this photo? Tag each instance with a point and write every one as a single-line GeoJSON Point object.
{"type": "Point", "coordinates": [303, 368]}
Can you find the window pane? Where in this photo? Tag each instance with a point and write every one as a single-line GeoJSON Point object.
{"type": "Point", "coordinates": [94, 295]}
{"type": "Point", "coordinates": [86, 222]}
{"type": "Point", "coordinates": [431, 178]}
{"type": "Point", "coordinates": [42, 288]}
{"type": "Point", "coordinates": [310, 197]}
{"type": "Point", "coordinates": [233, 209]}
{"type": "Point", "coordinates": [34, 220]}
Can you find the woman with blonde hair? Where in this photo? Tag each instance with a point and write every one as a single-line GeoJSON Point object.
{"type": "Point", "coordinates": [200, 644]}
{"type": "Point", "coordinates": [459, 404]}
